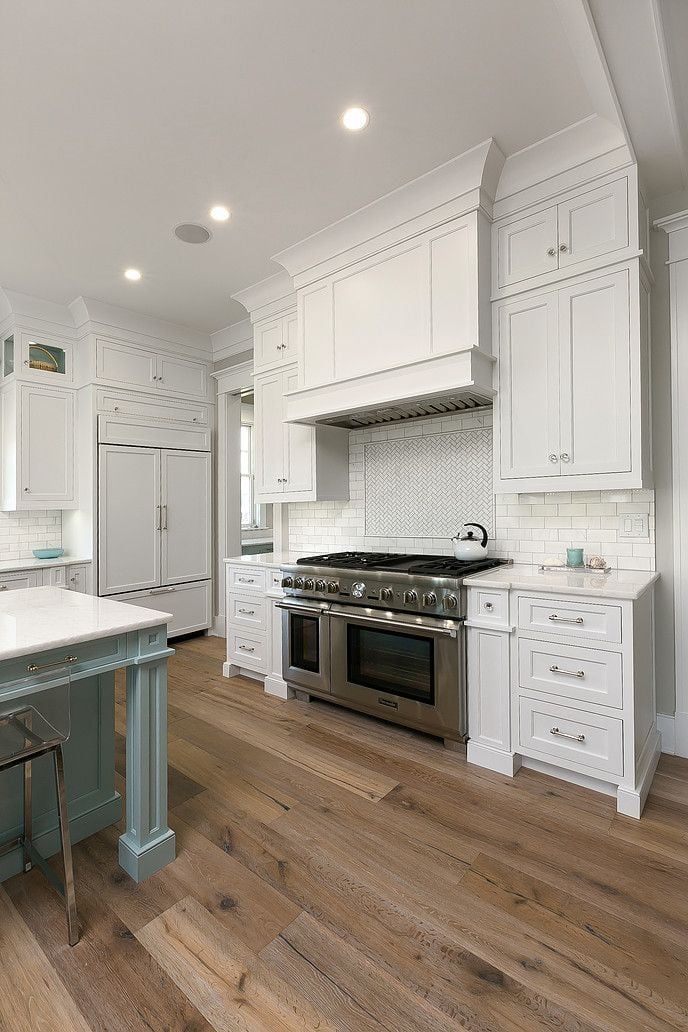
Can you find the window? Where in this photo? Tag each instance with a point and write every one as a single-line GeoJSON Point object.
{"type": "Point", "coordinates": [248, 508]}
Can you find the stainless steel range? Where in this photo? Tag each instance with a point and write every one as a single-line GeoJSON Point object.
{"type": "Point", "coordinates": [381, 633]}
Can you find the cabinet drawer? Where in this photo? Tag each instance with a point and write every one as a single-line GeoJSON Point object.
{"type": "Point", "coordinates": [589, 675]}
{"type": "Point", "coordinates": [570, 618]}
{"type": "Point", "coordinates": [275, 580]}
{"type": "Point", "coordinates": [488, 605]}
{"type": "Point", "coordinates": [242, 578]}
{"type": "Point", "coordinates": [585, 740]}
{"type": "Point", "coordinates": [85, 655]}
{"type": "Point", "coordinates": [248, 649]}
{"type": "Point", "coordinates": [188, 604]}
{"type": "Point", "coordinates": [21, 579]}
{"type": "Point", "coordinates": [247, 611]}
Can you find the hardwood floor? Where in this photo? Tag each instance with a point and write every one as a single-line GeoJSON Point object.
{"type": "Point", "coordinates": [338, 873]}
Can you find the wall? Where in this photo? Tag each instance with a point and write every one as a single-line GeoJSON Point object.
{"type": "Point", "coordinates": [386, 501]}
{"type": "Point", "coordinates": [20, 532]}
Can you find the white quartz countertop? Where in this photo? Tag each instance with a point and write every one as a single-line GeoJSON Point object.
{"type": "Point", "coordinates": [269, 560]}
{"type": "Point", "coordinates": [625, 584]}
{"type": "Point", "coordinates": [16, 565]}
{"type": "Point", "coordinates": [37, 619]}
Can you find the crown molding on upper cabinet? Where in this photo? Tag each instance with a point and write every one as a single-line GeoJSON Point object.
{"type": "Point", "coordinates": [268, 298]}
{"type": "Point", "coordinates": [101, 319]}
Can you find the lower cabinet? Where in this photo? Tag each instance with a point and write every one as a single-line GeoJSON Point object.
{"type": "Point", "coordinates": [254, 626]}
{"type": "Point", "coordinates": [189, 604]}
{"type": "Point", "coordinates": [564, 684]}
{"type": "Point", "coordinates": [73, 577]}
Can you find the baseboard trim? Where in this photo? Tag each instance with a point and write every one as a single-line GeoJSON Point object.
{"type": "Point", "coordinates": [681, 733]}
{"type": "Point", "coordinates": [492, 759]}
{"type": "Point", "coordinates": [666, 725]}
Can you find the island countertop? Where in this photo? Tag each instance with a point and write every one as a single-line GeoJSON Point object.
{"type": "Point", "coordinates": [38, 619]}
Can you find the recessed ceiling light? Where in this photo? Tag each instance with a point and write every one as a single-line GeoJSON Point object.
{"type": "Point", "coordinates": [219, 213]}
{"type": "Point", "coordinates": [355, 118]}
{"type": "Point", "coordinates": [132, 274]}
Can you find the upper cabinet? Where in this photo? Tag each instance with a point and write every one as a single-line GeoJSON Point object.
{"type": "Point", "coordinates": [38, 443]}
{"type": "Point", "coordinates": [274, 342]}
{"type": "Point", "coordinates": [37, 358]}
{"type": "Point", "coordinates": [585, 228]}
{"type": "Point", "coordinates": [295, 463]}
{"type": "Point", "coordinates": [572, 410]}
{"type": "Point", "coordinates": [126, 365]}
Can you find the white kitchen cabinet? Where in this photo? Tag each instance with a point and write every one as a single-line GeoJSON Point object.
{"type": "Point", "coordinates": [254, 625]}
{"type": "Point", "coordinates": [275, 342]}
{"type": "Point", "coordinates": [20, 579]}
{"type": "Point", "coordinates": [38, 358]}
{"type": "Point", "coordinates": [188, 604]}
{"type": "Point", "coordinates": [154, 518]}
{"type": "Point", "coordinates": [295, 462]}
{"type": "Point", "coordinates": [76, 577]}
{"type": "Point", "coordinates": [572, 407]}
{"type": "Point", "coordinates": [124, 365]}
{"type": "Point", "coordinates": [38, 448]}
{"type": "Point", "coordinates": [583, 227]}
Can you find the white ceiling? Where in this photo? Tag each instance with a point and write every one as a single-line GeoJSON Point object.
{"type": "Point", "coordinates": [120, 120]}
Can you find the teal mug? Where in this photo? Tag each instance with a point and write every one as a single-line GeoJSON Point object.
{"type": "Point", "coordinates": [574, 557]}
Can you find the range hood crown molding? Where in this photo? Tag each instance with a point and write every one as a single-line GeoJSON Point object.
{"type": "Point", "coordinates": [462, 184]}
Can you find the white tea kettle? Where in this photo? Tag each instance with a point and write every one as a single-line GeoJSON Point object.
{"type": "Point", "coordinates": [469, 545]}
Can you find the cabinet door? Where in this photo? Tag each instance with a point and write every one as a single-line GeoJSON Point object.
{"type": "Point", "coordinates": [46, 478]}
{"type": "Point", "coordinates": [594, 349]}
{"type": "Point", "coordinates": [527, 247]}
{"type": "Point", "coordinates": [129, 517]}
{"type": "Point", "coordinates": [593, 223]}
{"type": "Point", "coordinates": [77, 578]}
{"type": "Point", "coordinates": [290, 337]}
{"type": "Point", "coordinates": [299, 442]}
{"type": "Point", "coordinates": [186, 547]}
{"type": "Point", "coordinates": [122, 364]}
{"type": "Point", "coordinates": [529, 388]}
{"type": "Point", "coordinates": [269, 441]}
{"type": "Point", "coordinates": [267, 343]}
{"type": "Point", "coordinates": [178, 376]}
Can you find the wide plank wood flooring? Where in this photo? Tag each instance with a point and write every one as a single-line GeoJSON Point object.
{"type": "Point", "coordinates": [334, 872]}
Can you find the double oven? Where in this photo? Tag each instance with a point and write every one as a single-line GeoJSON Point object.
{"type": "Point", "coordinates": [405, 667]}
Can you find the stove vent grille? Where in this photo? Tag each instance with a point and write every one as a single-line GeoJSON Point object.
{"type": "Point", "coordinates": [419, 409]}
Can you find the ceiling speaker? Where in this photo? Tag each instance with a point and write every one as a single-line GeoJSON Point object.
{"type": "Point", "coordinates": [192, 233]}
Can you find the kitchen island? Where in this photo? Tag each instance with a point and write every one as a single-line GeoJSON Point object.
{"type": "Point", "coordinates": [43, 628]}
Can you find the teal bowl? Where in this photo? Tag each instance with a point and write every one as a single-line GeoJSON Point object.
{"type": "Point", "coordinates": [48, 553]}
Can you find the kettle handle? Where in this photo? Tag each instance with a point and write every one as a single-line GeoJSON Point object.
{"type": "Point", "coordinates": [480, 527]}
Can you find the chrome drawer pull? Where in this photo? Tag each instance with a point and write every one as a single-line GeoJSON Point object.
{"type": "Point", "coordinates": [565, 619]}
{"type": "Point", "coordinates": [563, 734]}
{"type": "Point", "coordinates": [246, 612]}
{"type": "Point", "coordinates": [569, 673]}
{"type": "Point", "coordinates": [246, 648]}
{"type": "Point", "coordinates": [33, 668]}
{"type": "Point", "coordinates": [246, 580]}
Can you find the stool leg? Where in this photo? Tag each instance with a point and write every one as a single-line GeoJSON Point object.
{"type": "Point", "coordinates": [70, 897]}
{"type": "Point", "coordinates": [28, 814]}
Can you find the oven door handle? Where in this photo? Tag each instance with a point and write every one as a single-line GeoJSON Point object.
{"type": "Point", "coordinates": [322, 610]}
{"type": "Point", "coordinates": [406, 625]}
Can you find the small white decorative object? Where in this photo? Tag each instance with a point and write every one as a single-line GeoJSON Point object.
{"type": "Point", "coordinates": [596, 562]}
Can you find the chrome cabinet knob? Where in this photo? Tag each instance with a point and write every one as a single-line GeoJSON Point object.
{"type": "Point", "coordinates": [563, 248]}
{"type": "Point", "coordinates": [553, 457]}
{"type": "Point", "coordinates": [565, 457]}
{"type": "Point", "coordinates": [450, 601]}
{"type": "Point", "coordinates": [386, 594]}
{"type": "Point", "coordinates": [429, 599]}
{"type": "Point", "coordinates": [489, 606]}
{"type": "Point", "coordinates": [410, 597]}
{"type": "Point", "coordinates": [551, 251]}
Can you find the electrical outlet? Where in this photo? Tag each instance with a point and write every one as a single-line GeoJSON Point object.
{"type": "Point", "coordinates": [634, 525]}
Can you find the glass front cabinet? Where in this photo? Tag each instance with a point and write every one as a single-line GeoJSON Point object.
{"type": "Point", "coordinates": [28, 356]}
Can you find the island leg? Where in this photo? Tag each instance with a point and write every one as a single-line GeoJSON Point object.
{"type": "Point", "coordinates": [148, 843]}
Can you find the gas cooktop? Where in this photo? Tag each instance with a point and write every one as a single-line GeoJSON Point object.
{"type": "Point", "coordinates": [401, 562]}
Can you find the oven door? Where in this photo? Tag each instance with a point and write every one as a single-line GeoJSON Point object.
{"type": "Point", "coordinates": [405, 668]}
{"type": "Point", "coordinates": [306, 644]}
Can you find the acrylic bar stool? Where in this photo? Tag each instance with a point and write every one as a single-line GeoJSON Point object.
{"type": "Point", "coordinates": [35, 721]}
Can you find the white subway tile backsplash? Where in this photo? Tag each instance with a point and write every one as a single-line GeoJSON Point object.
{"type": "Point", "coordinates": [21, 532]}
{"type": "Point", "coordinates": [424, 457]}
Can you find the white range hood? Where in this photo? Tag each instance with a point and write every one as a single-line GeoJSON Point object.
{"type": "Point", "coordinates": [393, 302]}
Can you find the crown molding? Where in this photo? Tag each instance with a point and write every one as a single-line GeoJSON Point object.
{"type": "Point", "coordinates": [234, 378]}
{"type": "Point", "coordinates": [99, 317]}
{"type": "Point", "coordinates": [268, 298]}
{"type": "Point", "coordinates": [232, 340]}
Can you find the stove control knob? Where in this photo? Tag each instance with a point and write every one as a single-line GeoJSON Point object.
{"type": "Point", "coordinates": [410, 597]}
{"type": "Point", "coordinates": [429, 599]}
{"type": "Point", "coordinates": [386, 594]}
{"type": "Point", "coordinates": [298, 582]}
{"type": "Point", "coordinates": [333, 587]}
{"type": "Point", "coordinates": [287, 582]}
{"type": "Point", "coordinates": [309, 584]}
{"type": "Point", "coordinates": [321, 585]}
{"type": "Point", "coordinates": [450, 602]}
{"type": "Point", "coordinates": [358, 589]}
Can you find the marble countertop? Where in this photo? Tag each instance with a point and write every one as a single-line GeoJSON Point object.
{"type": "Point", "coordinates": [12, 565]}
{"type": "Point", "coordinates": [268, 559]}
{"type": "Point", "coordinates": [620, 584]}
{"type": "Point", "coordinates": [37, 619]}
